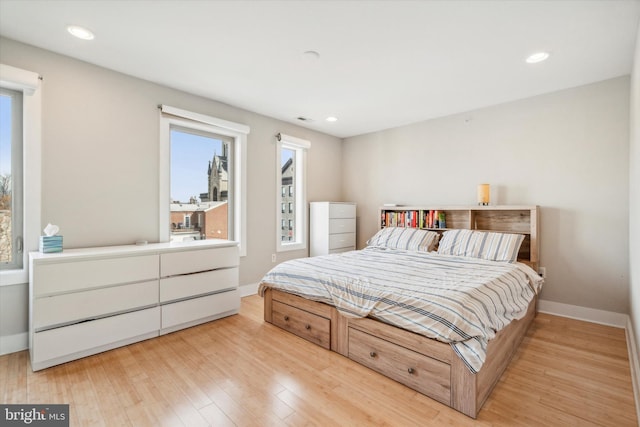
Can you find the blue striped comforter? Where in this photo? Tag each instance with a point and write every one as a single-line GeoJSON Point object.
{"type": "Point", "coordinates": [458, 300]}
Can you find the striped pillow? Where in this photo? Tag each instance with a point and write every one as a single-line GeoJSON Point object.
{"type": "Point", "coordinates": [412, 239]}
{"type": "Point", "coordinates": [480, 244]}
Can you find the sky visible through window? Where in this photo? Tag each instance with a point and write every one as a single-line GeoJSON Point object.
{"type": "Point", "coordinates": [286, 155]}
{"type": "Point", "coordinates": [190, 157]}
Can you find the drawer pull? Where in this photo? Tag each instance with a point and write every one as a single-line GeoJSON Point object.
{"type": "Point", "coordinates": [373, 354]}
{"type": "Point", "coordinates": [411, 370]}
{"type": "Point", "coordinates": [307, 326]}
{"type": "Point", "coordinates": [286, 318]}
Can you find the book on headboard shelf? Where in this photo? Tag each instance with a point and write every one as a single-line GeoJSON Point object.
{"type": "Point", "coordinates": [434, 219]}
{"type": "Point", "coordinates": [413, 218]}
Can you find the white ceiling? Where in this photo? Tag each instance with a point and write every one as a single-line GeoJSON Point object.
{"type": "Point", "coordinates": [382, 63]}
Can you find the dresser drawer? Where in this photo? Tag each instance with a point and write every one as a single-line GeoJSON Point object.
{"type": "Point", "coordinates": [422, 373]}
{"type": "Point", "coordinates": [342, 225]}
{"type": "Point", "coordinates": [82, 275]}
{"type": "Point", "coordinates": [185, 262]}
{"type": "Point", "coordinates": [311, 327]}
{"type": "Point", "coordinates": [342, 210]}
{"type": "Point", "coordinates": [341, 250]}
{"type": "Point", "coordinates": [200, 308]}
{"type": "Point", "coordinates": [85, 336]}
{"type": "Point", "coordinates": [67, 308]}
{"type": "Point", "coordinates": [342, 240]}
{"type": "Point", "coordinates": [188, 285]}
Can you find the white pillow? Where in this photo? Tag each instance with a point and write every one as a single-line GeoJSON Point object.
{"type": "Point", "coordinates": [412, 239]}
{"type": "Point", "coordinates": [481, 244]}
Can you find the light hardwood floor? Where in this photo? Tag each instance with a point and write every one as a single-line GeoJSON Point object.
{"type": "Point", "coordinates": [242, 371]}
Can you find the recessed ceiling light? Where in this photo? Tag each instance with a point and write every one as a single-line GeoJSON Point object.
{"type": "Point", "coordinates": [331, 119]}
{"type": "Point", "coordinates": [80, 32]}
{"type": "Point", "coordinates": [537, 57]}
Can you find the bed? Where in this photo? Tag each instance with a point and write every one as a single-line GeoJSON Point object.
{"type": "Point", "coordinates": [444, 322]}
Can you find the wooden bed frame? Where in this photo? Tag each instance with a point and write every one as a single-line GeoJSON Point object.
{"type": "Point", "coordinates": [423, 364]}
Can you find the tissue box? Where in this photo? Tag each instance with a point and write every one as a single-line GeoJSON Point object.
{"type": "Point", "coordinates": [49, 244]}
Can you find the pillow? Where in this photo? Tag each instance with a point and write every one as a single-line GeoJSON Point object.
{"type": "Point", "coordinates": [412, 239]}
{"type": "Point", "coordinates": [481, 244]}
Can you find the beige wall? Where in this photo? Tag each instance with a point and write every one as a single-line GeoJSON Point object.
{"type": "Point", "coordinates": [565, 151]}
{"type": "Point", "coordinates": [634, 198]}
{"type": "Point", "coordinates": [100, 153]}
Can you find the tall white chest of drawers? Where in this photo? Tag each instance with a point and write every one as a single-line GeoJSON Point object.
{"type": "Point", "coordinates": [332, 227]}
{"type": "Point", "coordinates": [85, 301]}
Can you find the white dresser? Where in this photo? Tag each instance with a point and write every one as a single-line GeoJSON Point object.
{"type": "Point", "coordinates": [85, 301]}
{"type": "Point", "coordinates": [332, 227]}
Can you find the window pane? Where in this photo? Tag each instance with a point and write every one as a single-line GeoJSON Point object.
{"type": "Point", "coordinates": [10, 179]}
{"type": "Point", "coordinates": [200, 185]}
{"type": "Point", "coordinates": [288, 165]}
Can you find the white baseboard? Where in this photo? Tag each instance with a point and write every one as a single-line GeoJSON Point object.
{"type": "Point", "coordinates": [609, 318]}
{"type": "Point", "coordinates": [13, 343]}
{"type": "Point", "coordinates": [634, 363]}
{"type": "Point", "coordinates": [250, 289]}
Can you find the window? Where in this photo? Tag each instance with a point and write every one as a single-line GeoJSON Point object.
{"type": "Point", "coordinates": [10, 179]}
{"type": "Point", "coordinates": [200, 178]}
{"type": "Point", "coordinates": [202, 169]}
{"type": "Point", "coordinates": [20, 109]}
{"type": "Point", "coordinates": [291, 175]}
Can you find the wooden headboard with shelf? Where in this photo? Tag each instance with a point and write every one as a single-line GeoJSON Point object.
{"type": "Point", "coordinates": [500, 219]}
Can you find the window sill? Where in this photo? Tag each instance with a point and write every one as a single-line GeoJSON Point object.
{"type": "Point", "coordinates": [14, 277]}
{"type": "Point", "coordinates": [291, 247]}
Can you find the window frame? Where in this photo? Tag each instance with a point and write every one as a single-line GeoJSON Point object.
{"type": "Point", "coordinates": [171, 117]}
{"type": "Point", "coordinates": [300, 147]}
{"type": "Point", "coordinates": [29, 83]}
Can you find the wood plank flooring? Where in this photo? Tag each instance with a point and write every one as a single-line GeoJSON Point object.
{"type": "Point", "coordinates": [240, 371]}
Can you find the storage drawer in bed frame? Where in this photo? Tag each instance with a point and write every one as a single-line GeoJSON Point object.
{"type": "Point", "coordinates": [418, 371]}
{"type": "Point", "coordinates": [309, 326]}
